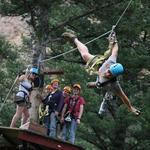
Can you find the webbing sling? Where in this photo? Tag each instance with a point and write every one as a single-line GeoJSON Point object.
{"type": "Point", "coordinates": [76, 100]}
{"type": "Point", "coordinates": [99, 84]}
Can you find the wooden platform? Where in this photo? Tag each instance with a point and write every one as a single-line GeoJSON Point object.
{"type": "Point", "coordinates": [33, 141]}
{"type": "Point", "coordinates": [35, 127]}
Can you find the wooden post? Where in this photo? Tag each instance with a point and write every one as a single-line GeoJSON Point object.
{"type": "Point", "coordinates": [35, 103]}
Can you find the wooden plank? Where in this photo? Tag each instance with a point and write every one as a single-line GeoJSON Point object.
{"type": "Point", "coordinates": [48, 71]}
{"type": "Point", "coordinates": [32, 126]}
{"type": "Point", "coordinates": [17, 136]}
{"type": "Point", "coordinates": [10, 135]}
{"type": "Point", "coordinates": [47, 142]}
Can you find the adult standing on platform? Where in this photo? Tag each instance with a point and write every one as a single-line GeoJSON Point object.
{"type": "Point", "coordinates": [22, 98]}
{"type": "Point", "coordinates": [72, 113]}
{"type": "Point", "coordinates": [55, 101]}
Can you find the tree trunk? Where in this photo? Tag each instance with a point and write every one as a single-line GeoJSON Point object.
{"type": "Point", "coordinates": [35, 101]}
{"type": "Point", "coordinates": [39, 52]}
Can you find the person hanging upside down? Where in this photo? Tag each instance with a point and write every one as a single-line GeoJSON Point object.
{"type": "Point", "coordinates": [105, 66]}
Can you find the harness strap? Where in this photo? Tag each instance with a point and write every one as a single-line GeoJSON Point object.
{"type": "Point", "coordinates": [73, 109]}
{"type": "Point", "coordinates": [99, 84]}
{"type": "Point", "coordinates": [28, 89]}
{"type": "Point", "coordinates": [26, 97]}
{"type": "Point", "coordinates": [97, 61]}
{"type": "Point", "coordinates": [23, 92]}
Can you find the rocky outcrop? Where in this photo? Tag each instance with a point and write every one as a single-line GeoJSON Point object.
{"type": "Point", "coordinates": [13, 29]}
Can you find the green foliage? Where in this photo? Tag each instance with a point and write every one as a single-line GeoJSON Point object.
{"type": "Point", "coordinates": [52, 18]}
{"type": "Point", "coordinates": [8, 72]}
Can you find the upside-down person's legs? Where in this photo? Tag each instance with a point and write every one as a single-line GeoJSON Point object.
{"type": "Point", "coordinates": [81, 47]}
{"type": "Point", "coordinates": [83, 50]}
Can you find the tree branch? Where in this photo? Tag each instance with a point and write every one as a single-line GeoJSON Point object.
{"type": "Point", "coordinates": [31, 11]}
{"type": "Point", "coordinates": [71, 19]}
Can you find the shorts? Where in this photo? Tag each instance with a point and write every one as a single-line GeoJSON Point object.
{"type": "Point", "coordinates": [92, 66]}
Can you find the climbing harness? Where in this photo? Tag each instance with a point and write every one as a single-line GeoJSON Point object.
{"type": "Point", "coordinates": [108, 105]}
{"type": "Point", "coordinates": [93, 64]}
{"type": "Point", "coordinates": [99, 84]}
{"type": "Point", "coordinates": [43, 111]}
{"type": "Point", "coordinates": [10, 90]}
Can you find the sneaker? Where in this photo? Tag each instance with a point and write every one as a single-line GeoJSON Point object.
{"type": "Point", "coordinates": [69, 36]}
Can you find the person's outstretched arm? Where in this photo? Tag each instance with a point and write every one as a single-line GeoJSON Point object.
{"type": "Point", "coordinates": [115, 49]}
{"type": "Point", "coordinates": [120, 93]}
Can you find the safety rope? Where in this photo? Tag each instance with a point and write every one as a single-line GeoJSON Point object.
{"type": "Point", "coordinates": [113, 27]}
{"type": "Point", "coordinates": [8, 94]}
{"type": "Point", "coordinates": [123, 12]}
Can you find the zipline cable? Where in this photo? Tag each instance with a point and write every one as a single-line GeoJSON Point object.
{"type": "Point", "coordinates": [123, 12]}
{"type": "Point", "coordinates": [74, 48]}
{"type": "Point", "coordinates": [113, 27]}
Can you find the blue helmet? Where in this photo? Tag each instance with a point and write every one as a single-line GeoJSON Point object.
{"type": "Point", "coordinates": [116, 69]}
{"type": "Point", "coordinates": [34, 70]}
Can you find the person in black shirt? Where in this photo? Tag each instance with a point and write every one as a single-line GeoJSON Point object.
{"type": "Point", "coordinates": [55, 102]}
